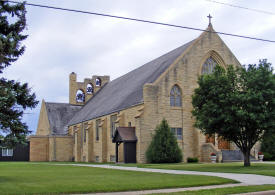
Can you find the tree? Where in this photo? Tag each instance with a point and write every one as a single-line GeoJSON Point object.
{"type": "Point", "coordinates": [164, 147]}
{"type": "Point", "coordinates": [237, 104]}
{"type": "Point", "coordinates": [14, 96]}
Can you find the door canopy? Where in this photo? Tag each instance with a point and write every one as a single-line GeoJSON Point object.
{"type": "Point", "coordinates": [125, 134]}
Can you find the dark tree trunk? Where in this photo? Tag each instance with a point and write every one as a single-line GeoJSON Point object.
{"type": "Point", "coordinates": [246, 155]}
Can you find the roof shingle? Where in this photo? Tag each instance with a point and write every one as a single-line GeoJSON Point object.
{"type": "Point", "coordinates": [125, 134]}
{"type": "Point", "coordinates": [59, 114]}
{"type": "Point", "coordinates": [127, 90]}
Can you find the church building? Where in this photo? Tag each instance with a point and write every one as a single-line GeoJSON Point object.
{"type": "Point", "coordinates": [108, 121]}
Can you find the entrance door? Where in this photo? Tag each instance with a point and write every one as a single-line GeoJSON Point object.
{"type": "Point", "coordinates": [130, 152]}
{"type": "Point", "coordinates": [223, 144]}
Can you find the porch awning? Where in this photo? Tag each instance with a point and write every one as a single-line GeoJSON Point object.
{"type": "Point", "coordinates": [125, 134]}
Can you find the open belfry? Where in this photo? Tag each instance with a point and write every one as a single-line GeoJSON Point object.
{"type": "Point", "coordinates": [108, 121]}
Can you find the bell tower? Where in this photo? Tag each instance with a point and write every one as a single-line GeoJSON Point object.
{"type": "Point", "coordinates": [81, 92]}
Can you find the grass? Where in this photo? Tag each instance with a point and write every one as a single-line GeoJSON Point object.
{"type": "Point", "coordinates": [31, 178]}
{"type": "Point", "coordinates": [228, 190]}
{"type": "Point", "coordinates": [255, 168]}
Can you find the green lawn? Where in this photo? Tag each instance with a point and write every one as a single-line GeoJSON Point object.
{"type": "Point", "coordinates": [225, 191]}
{"type": "Point", "coordinates": [256, 168]}
{"type": "Point", "coordinates": [31, 178]}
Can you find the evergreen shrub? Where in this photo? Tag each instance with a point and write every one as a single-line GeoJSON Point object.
{"type": "Point", "coordinates": [164, 147]}
{"type": "Point", "coordinates": [192, 160]}
{"type": "Point", "coordinates": [268, 146]}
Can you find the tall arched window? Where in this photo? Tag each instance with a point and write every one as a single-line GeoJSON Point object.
{"type": "Point", "coordinates": [208, 66]}
{"type": "Point", "coordinates": [80, 96]}
{"type": "Point", "coordinates": [90, 88]}
{"type": "Point", "coordinates": [175, 96]}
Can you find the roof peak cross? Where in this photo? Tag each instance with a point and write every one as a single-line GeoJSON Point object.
{"type": "Point", "coordinates": [209, 17]}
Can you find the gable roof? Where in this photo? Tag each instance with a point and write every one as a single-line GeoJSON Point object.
{"type": "Point", "coordinates": [59, 114]}
{"type": "Point", "coordinates": [125, 134]}
{"type": "Point", "coordinates": [127, 90]}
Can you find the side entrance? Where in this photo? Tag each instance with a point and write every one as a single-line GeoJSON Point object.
{"type": "Point", "coordinates": [127, 136]}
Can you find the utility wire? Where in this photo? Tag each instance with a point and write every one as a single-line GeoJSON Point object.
{"type": "Point", "coordinates": [140, 20]}
{"type": "Point", "coordinates": [241, 7]}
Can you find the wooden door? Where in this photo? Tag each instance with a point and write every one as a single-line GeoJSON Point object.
{"type": "Point", "coordinates": [130, 152]}
{"type": "Point", "coordinates": [223, 144]}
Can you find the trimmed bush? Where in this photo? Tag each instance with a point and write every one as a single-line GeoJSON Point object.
{"type": "Point", "coordinates": [192, 160]}
{"type": "Point", "coordinates": [164, 147]}
{"type": "Point", "coordinates": [268, 157]}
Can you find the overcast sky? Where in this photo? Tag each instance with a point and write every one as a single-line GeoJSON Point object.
{"type": "Point", "coordinates": [62, 42]}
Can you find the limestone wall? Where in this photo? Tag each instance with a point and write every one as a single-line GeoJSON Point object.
{"type": "Point", "coordinates": [206, 150]}
{"type": "Point", "coordinates": [183, 72]}
{"type": "Point", "coordinates": [61, 148]}
{"type": "Point", "coordinates": [43, 127]}
{"type": "Point", "coordinates": [103, 150]}
{"type": "Point", "coordinates": [39, 148]}
{"type": "Point", "coordinates": [145, 117]}
{"type": "Point", "coordinates": [51, 148]}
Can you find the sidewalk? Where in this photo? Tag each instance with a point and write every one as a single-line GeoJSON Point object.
{"type": "Point", "coordinates": [265, 162]}
{"type": "Point", "coordinates": [244, 179]}
{"type": "Point", "coordinates": [248, 179]}
{"type": "Point", "coordinates": [272, 192]}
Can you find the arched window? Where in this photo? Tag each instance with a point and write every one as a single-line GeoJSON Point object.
{"type": "Point", "coordinates": [97, 82]}
{"type": "Point", "coordinates": [90, 89]}
{"type": "Point", "coordinates": [80, 96]}
{"type": "Point", "coordinates": [175, 96]}
{"type": "Point", "coordinates": [208, 66]}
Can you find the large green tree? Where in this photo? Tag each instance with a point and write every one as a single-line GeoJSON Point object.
{"type": "Point", "coordinates": [164, 147]}
{"type": "Point", "coordinates": [15, 97]}
{"type": "Point", "coordinates": [237, 104]}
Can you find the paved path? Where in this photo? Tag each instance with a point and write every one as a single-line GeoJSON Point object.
{"type": "Point", "coordinates": [271, 192]}
{"type": "Point", "coordinates": [244, 179]}
{"type": "Point", "coordinates": [265, 162]}
{"type": "Point", "coordinates": [247, 179]}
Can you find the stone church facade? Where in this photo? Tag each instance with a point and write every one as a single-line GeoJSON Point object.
{"type": "Point", "coordinates": [83, 129]}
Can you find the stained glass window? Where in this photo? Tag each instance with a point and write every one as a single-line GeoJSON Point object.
{"type": "Point", "coordinates": [113, 126]}
{"type": "Point", "coordinates": [208, 66]}
{"type": "Point", "coordinates": [175, 96]}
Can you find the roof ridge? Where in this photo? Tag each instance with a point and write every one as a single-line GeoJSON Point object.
{"type": "Point", "coordinates": [62, 103]}
{"type": "Point", "coordinates": [163, 55]}
{"type": "Point", "coordinates": [126, 90]}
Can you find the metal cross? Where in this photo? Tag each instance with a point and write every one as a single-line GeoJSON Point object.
{"type": "Point", "coordinates": [210, 17]}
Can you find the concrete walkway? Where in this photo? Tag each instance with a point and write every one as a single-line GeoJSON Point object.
{"type": "Point", "coordinates": [247, 179]}
{"type": "Point", "coordinates": [244, 179]}
{"type": "Point", "coordinates": [265, 162]}
{"type": "Point", "coordinates": [271, 192]}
